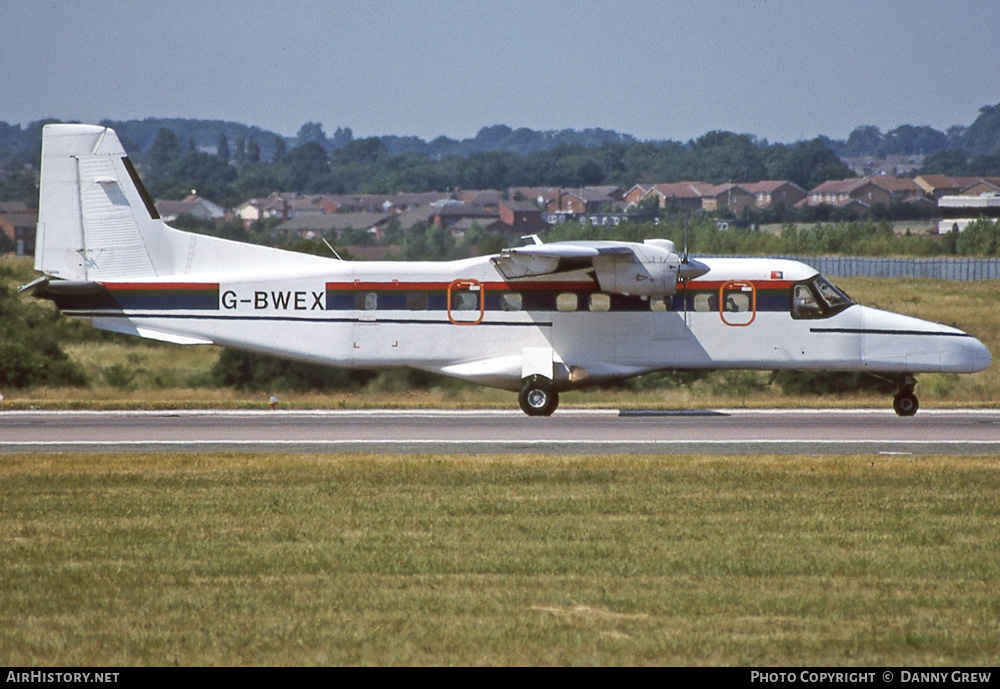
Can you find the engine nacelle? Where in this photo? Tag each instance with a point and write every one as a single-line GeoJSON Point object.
{"type": "Point", "coordinates": [650, 270]}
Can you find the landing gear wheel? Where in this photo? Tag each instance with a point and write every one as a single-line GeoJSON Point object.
{"type": "Point", "coordinates": [537, 397]}
{"type": "Point", "coordinates": [905, 403]}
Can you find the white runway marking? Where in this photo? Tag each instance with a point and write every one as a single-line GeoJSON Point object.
{"type": "Point", "coordinates": [601, 431]}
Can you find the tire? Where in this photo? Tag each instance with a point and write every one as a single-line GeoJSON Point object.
{"type": "Point", "coordinates": [537, 397]}
{"type": "Point", "coordinates": [905, 404]}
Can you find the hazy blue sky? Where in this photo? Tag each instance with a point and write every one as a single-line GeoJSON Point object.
{"type": "Point", "coordinates": [780, 69]}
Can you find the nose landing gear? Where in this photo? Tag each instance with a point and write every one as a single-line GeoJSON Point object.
{"type": "Point", "coordinates": [905, 403]}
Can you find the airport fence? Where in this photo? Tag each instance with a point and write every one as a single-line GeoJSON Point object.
{"type": "Point", "coordinates": [955, 269]}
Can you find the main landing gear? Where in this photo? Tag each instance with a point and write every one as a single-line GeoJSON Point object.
{"type": "Point", "coordinates": [538, 397]}
{"type": "Point", "coordinates": [905, 403]}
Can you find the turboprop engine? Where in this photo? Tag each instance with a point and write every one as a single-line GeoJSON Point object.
{"type": "Point", "coordinates": [650, 269]}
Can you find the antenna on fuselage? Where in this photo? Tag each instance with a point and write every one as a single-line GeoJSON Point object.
{"type": "Point", "coordinates": [328, 246]}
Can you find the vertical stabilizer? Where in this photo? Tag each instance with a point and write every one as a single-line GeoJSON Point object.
{"type": "Point", "coordinates": [95, 220]}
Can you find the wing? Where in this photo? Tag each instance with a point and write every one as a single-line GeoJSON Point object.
{"type": "Point", "coordinates": [558, 257]}
{"type": "Point", "coordinates": [648, 269]}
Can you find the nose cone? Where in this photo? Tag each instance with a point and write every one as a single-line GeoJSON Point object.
{"type": "Point", "coordinates": [691, 269]}
{"type": "Point", "coordinates": [979, 356]}
{"type": "Point", "coordinates": [899, 342]}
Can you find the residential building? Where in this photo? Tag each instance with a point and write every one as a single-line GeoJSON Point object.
{"type": "Point", "coordinates": [519, 218]}
{"type": "Point", "coordinates": [193, 206]}
{"type": "Point", "coordinates": [732, 198]}
{"type": "Point", "coordinates": [772, 193]}
{"type": "Point", "coordinates": [333, 224]}
{"type": "Point", "coordinates": [879, 189]}
{"type": "Point", "coordinates": [18, 222]}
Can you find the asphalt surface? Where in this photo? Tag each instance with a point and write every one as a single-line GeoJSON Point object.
{"type": "Point", "coordinates": [811, 431]}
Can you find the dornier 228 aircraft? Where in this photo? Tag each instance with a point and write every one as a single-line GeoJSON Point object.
{"type": "Point", "coordinates": [536, 319]}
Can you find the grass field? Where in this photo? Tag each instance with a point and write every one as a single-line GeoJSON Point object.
{"type": "Point", "coordinates": [224, 559]}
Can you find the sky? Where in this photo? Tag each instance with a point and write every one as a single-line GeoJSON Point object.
{"type": "Point", "coordinates": [783, 70]}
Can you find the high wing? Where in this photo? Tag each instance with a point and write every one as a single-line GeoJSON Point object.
{"type": "Point", "coordinates": [650, 269]}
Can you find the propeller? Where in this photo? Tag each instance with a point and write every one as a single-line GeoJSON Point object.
{"type": "Point", "coordinates": [689, 269]}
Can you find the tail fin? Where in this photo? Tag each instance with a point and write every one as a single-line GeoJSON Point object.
{"type": "Point", "coordinates": [95, 219]}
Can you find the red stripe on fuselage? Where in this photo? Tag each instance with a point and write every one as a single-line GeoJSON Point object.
{"type": "Point", "coordinates": [441, 286]}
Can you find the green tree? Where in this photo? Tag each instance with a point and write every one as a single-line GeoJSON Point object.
{"type": "Point", "coordinates": [306, 168]}
{"type": "Point", "coordinates": [864, 141]}
{"type": "Point", "coordinates": [719, 157]}
{"type": "Point", "coordinates": [30, 353]}
{"type": "Point", "coordinates": [253, 151]}
{"type": "Point", "coordinates": [949, 161]}
{"type": "Point", "coordinates": [311, 133]}
{"type": "Point", "coordinates": [807, 163]}
{"type": "Point", "coordinates": [165, 149]}
{"type": "Point", "coordinates": [983, 135]}
{"type": "Point", "coordinates": [979, 238]}
{"type": "Point", "coordinates": [222, 148]}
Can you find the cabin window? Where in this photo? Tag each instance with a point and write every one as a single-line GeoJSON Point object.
{"type": "Point", "coordinates": [665, 304]}
{"type": "Point", "coordinates": [464, 301]}
{"type": "Point", "coordinates": [416, 301]}
{"type": "Point", "coordinates": [511, 301]}
{"type": "Point", "coordinates": [366, 301]}
{"type": "Point", "coordinates": [737, 302]}
{"type": "Point", "coordinates": [600, 302]}
{"type": "Point", "coordinates": [706, 302]}
{"type": "Point", "coordinates": [567, 301]}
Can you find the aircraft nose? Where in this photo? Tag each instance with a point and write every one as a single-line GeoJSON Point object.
{"type": "Point", "coordinates": [969, 355]}
{"type": "Point", "coordinates": [980, 356]}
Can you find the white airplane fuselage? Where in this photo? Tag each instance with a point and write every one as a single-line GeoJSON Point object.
{"type": "Point", "coordinates": [462, 318]}
{"type": "Point", "coordinates": [538, 319]}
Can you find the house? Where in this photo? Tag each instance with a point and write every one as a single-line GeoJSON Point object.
{"type": "Point", "coordinates": [334, 224]}
{"type": "Point", "coordinates": [772, 193]}
{"type": "Point", "coordinates": [448, 214]}
{"type": "Point", "coordinates": [193, 206]}
{"type": "Point", "coordinates": [583, 200]}
{"type": "Point", "coordinates": [18, 222]}
{"type": "Point", "coordinates": [878, 189]}
{"type": "Point", "coordinates": [728, 197]}
{"type": "Point", "coordinates": [986, 186]}
{"type": "Point", "coordinates": [634, 195]}
{"type": "Point", "coordinates": [537, 194]}
{"type": "Point", "coordinates": [937, 186]}
{"type": "Point", "coordinates": [519, 218]}
{"type": "Point", "coordinates": [484, 198]}
{"type": "Point", "coordinates": [679, 195]}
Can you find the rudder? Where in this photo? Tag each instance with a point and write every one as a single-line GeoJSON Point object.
{"type": "Point", "coordinates": [95, 220]}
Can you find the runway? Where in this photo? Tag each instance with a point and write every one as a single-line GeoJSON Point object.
{"type": "Point", "coordinates": [709, 431]}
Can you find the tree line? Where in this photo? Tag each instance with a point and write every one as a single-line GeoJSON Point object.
{"type": "Point", "coordinates": [231, 162]}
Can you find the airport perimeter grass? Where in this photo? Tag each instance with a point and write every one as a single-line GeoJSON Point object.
{"type": "Point", "coordinates": [226, 559]}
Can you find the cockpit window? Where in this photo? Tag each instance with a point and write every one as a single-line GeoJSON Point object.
{"type": "Point", "coordinates": [831, 295]}
{"type": "Point", "coordinates": [818, 298]}
{"type": "Point", "coordinates": [804, 303]}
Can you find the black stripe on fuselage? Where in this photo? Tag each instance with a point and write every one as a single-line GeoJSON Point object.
{"type": "Point", "coordinates": [867, 331]}
{"type": "Point", "coordinates": [193, 317]}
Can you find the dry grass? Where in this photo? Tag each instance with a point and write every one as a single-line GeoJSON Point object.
{"type": "Point", "coordinates": [499, 560]}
